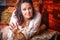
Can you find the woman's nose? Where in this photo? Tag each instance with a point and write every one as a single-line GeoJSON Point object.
{"type": "Point", "coordinates": [27, 11]}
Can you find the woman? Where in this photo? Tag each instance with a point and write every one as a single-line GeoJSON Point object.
{"type": "Point", "coordinates": [24, 22]}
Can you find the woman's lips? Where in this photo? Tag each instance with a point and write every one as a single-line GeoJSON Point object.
{"type": "Point", "coordinates": [29, 14]}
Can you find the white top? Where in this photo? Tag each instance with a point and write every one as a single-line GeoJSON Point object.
{"type": "Point", "coordinates": [30, 29]}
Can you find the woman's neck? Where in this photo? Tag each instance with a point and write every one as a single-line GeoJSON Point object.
{"type": "Point", "coordinates": [25, 20]}
{"type": "Point", "coordinates": [25, 23]}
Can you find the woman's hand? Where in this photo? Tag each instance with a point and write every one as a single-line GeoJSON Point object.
{"type": "Point", "coordinates": [16, 32]}
{"type": "Point", "coordinates": [43, 26]}
{"type": "Point", "coordinates": [14, 28]}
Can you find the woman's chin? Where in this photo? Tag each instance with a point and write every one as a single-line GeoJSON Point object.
{"type": "Point", "coordinates": [28, 18]}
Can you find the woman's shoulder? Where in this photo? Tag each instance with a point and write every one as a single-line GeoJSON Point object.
{"type": "Point", "coordinates": [37, 15]}
{"type": "Point", "coordinates": [13, 13]}
{"type": "Point", "coordinates": [13, 17]}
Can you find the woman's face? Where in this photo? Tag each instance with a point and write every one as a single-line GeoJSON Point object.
{"type": "Point", "coordinates": [26, 10]}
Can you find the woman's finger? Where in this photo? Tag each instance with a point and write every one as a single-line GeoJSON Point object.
{"type": "Point", "coordinates": [10, 27]}
{"type": "Point", "coordinates": [13, 25]}
{"type": "Point", "coordinates": [17, 26]}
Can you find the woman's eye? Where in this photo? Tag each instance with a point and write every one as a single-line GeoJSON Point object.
{"type": "Point", "coordinates": [24, 9]}
{"type": "Point", "coordinates": [29, 7]}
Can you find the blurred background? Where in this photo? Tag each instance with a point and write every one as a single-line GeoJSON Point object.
{"type": "Point", "coordinates": [50, 9]}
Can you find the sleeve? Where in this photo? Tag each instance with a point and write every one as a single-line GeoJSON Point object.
{"type": "Point", "coordinates": [13, 18]}
{"type": "Point", "coordinates": [33, 26]}
{"type": "Point", "coordinates": [36, 24]}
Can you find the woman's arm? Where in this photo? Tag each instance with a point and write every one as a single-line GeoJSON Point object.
{"type": "Point", "coordinates": [13, 18]}
{"type": "Point", "coordinates": [13, 21]}
{"type": "Point", "coordinates": [36, 25]}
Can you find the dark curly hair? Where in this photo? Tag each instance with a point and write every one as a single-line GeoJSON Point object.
{"type": "Point", "coordinates": [18, 12]}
